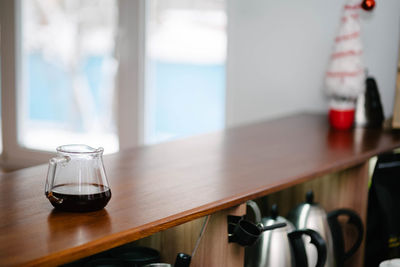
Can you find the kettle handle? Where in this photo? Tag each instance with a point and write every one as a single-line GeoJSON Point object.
{"type": "Point", "coordinates": [256, 210]}
{"type": "Point", "coordinates": [297, 243]}
{"type": "Point", "coordinates": [337, 233]}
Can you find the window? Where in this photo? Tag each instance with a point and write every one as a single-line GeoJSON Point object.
{"type": "Point", "coordinates": [111, 73]}
{"type": "Point", "coordinates": [61, 67]}
{"type": "Point", "coordinates": [67, 73]}
{"type": "Point", "coordinates": [185, 59]}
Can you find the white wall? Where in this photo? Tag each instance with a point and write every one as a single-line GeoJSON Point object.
{"type": "Point", "coordinates": [278, 51]}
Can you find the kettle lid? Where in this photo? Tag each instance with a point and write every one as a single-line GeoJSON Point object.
{"type": "Point", "coordinates": [310, 197]}
{"type": "Point", "coordinates": [274, 211]}
{"type": "Point", "coordinates": [275, 218]}
{"type": "Point", "coordinates": [307, 213]}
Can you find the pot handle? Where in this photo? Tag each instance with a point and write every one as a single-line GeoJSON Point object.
{"type": "Point", "coordinates": [51, 173]}
{"type": "Point", "coordinates": [337, 233]}
{"type": "Point", "coordinates": [297, 243]}
{"type": "Point", "coordinates": [256, 210]}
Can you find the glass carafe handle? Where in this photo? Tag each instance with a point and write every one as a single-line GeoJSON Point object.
{"type": "Point", "coordinates": [53, 163]}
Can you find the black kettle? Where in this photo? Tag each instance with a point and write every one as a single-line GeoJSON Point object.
{"type": "Point", "coordinates": [313, 216]}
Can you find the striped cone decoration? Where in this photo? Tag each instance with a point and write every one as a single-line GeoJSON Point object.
{"type": "Point", "coordinates": [345, 78]}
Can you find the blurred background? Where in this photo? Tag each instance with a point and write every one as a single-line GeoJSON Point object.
{"type": "Point", "coordinates": [70, 60]}
{"type": "Point", "coordinates": [120, 73]}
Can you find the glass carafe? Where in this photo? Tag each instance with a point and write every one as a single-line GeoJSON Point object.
{"type": "Point", "coordinates": [76, 179]}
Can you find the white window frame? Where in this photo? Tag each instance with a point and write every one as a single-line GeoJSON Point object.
{"type": "Point", "coordinates": [129, 81]}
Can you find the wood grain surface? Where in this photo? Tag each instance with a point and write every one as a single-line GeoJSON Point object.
{"type": "Point", "coordinates": [157, 187]}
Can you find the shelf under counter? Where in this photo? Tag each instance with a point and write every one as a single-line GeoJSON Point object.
{"type": "Point", "coordinates": [161, 186]}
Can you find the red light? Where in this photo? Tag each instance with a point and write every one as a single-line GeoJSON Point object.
{"type": "Point", "coordinates": [368, 4]}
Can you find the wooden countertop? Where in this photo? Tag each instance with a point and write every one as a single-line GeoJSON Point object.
{"type": "Point", "coordinates": [161, 186]}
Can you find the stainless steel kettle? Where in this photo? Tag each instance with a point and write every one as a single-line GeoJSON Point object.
{"type": "Point", "coordinates": [283, 247]}
{"type": "Point", "coordinates": [310, 215]}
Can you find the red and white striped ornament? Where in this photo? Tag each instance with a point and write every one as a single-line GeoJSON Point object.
{"type": "Point", "coordinates": [345, 77]}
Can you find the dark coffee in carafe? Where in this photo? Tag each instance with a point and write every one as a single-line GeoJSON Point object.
{"type": "Point", "coordinates": [79, 197]}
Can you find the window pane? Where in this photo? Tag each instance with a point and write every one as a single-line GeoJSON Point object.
{"type": "Point", "coordinates": [68, 69]}
{"type": "Point", "coordinates": [185, 66]}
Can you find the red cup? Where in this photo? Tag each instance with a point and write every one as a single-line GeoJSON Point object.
{"type": "Point", "coordinates": [341, 119]}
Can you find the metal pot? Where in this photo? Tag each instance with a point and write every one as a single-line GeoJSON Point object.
{"type": "Point", "coordinates": [310, 215]}
{"type": "Point", "coordinates": [283, 246]}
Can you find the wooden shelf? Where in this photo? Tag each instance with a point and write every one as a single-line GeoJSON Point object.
{"type": "Point", "coordinates": [161, 186]}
